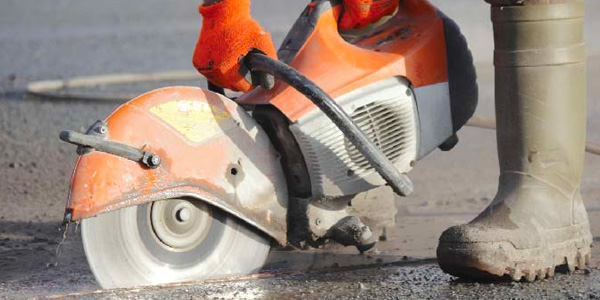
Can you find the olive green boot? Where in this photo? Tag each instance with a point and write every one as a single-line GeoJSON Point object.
{"type": "Point", "coordinates": [537, 221]}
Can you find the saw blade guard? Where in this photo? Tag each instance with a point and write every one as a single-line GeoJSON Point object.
{"type": "Point", "coordinates": [210, 150]}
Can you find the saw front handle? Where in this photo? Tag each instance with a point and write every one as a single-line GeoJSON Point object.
{"type": "Point", "coordinates": [89, 141]}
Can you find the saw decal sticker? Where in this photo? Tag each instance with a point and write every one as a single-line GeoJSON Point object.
{"type": "Point", "coordinates": [196, 120]}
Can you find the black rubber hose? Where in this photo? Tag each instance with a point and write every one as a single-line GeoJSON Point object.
{"type": "Point", "coordinates": [399, 182]}
{"type": "Point", "coordinates": [215, 88]}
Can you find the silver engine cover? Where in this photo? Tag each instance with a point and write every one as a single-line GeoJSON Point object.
{"type": "Point", "coordinates": [386, 112]}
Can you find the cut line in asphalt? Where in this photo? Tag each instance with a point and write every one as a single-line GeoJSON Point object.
{"type": "Point", "coordinates": [409, 263]}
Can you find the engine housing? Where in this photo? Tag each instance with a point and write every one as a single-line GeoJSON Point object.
{"type": "Point", "coordinates": [386, 111]}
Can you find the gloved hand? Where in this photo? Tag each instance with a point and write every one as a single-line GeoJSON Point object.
{"type": "Point", "coordinates": [229, 32]}
{"type": "Point", "coordinates": [360, 13]}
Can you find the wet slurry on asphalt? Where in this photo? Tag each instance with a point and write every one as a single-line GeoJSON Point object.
{"type": "Point", "coordinates": [30, 272]}
{"type": "Point", "coordinates": [63, 38]}
{"type": "Point", "coordinates": [424, 281]}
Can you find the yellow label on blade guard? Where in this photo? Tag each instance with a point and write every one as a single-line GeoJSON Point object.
{"type": "Point", "coordinates": [196, 120]}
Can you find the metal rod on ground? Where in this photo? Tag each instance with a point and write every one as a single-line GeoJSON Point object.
{"type": "Point", "coordinates": [48, 89]}
{"type": "Point", "coordinates": [64, 89]}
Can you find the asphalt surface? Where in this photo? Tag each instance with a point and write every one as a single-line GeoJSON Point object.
{"type": "Point", "coordinates": [65, 38]}
{"type": "Point", "coordinates": [399, 281]}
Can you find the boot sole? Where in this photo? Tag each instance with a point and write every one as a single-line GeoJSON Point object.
{"type": "Point", "coordinates": [496, 260]}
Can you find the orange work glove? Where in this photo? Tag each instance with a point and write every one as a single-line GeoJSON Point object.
{"type": "Point", "coordinates": [360, 13]}
{"type": "Point", "coordinates": [229, 32]}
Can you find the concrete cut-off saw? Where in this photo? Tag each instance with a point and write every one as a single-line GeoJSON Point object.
{"type": "Point", "coordinates": [183, 183]}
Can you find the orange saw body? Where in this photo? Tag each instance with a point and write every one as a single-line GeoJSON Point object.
{"type": "Point", "coordinates": [183, 183]}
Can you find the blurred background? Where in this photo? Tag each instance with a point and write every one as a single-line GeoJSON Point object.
{"type": "Point", "coordinates": [62, 38]}
{"type": "Point", "coordinates": [59, 39]}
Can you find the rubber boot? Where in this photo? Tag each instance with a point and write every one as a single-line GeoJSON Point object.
{"type": "Point", "coordinates": [537, 221]}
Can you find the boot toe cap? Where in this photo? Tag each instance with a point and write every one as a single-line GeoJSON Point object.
{"type": "Point", "coordinates": [470, 234]}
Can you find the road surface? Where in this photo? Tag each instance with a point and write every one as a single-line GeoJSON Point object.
{"type": "Point", "coordinates": [65, 38]}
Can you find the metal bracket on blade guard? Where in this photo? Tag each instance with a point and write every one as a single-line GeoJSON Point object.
{"type": "Point", "coordinates": [94, 139]}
